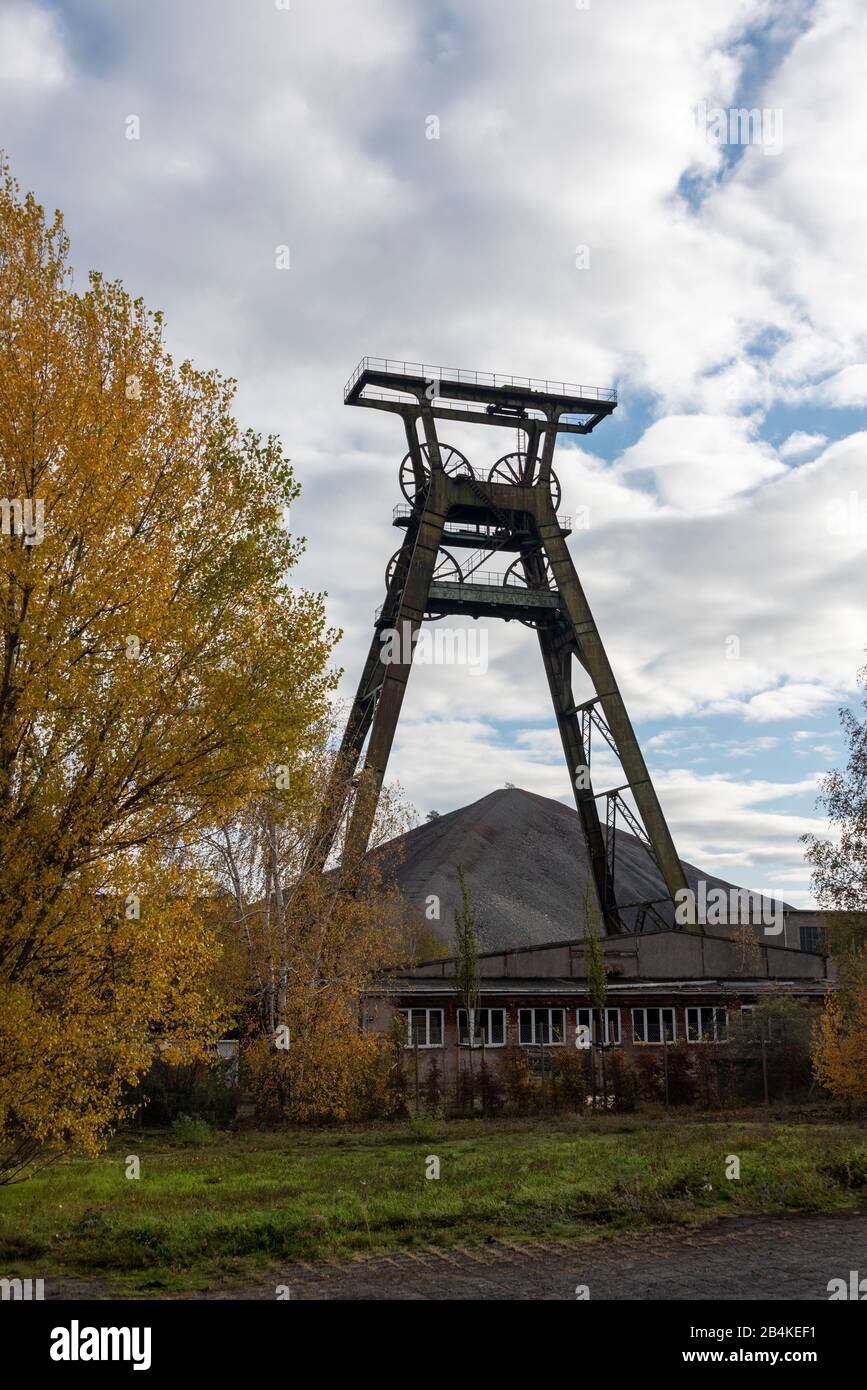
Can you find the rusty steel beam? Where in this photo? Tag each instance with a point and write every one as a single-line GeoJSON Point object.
{"type": "Point", "coordinates": [408, 618]}
{"type": "Point", "coordinates": [597, 665]}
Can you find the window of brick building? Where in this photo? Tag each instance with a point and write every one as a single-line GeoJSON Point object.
{"type": "Point", "coordinates": [612, 1025]}
{"type": "Point", "coordinates": [706, 1025]}
{"type": "Point", "coordinates": [648, 1025]}
{"type": "Point", "coordinates": [491, 1022]}
{"type": "Point", "coordinates": [423, 1026]}
{"type": "Point", "coordinates": [541, 1026]}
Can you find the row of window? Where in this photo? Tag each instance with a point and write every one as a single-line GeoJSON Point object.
{"type": "Point", "coordinates": [548, 1026]}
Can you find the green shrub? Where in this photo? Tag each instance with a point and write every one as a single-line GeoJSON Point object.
{"type": "Point", "coordinates": [191, 1129]}
{"type": "Point", "coordinates": [490, 1090]}
{"type": "Point", "coordinates": [520, 1088]}
{"type": "Point", "coordinates": [432, 1087]}
{"type": "Point", "coordinates": [622, 1084]}
{"type": "Point", "coordinates": [681, 1086]}
{"type": "Point", "coordinates": [648, 1069]}
{"type": "Point", "coordinates": [572, 1086]}
{"type": "Point", "coordinates": [208, 1092]}
{"type": "Point", "coordinates": [850, 1173]}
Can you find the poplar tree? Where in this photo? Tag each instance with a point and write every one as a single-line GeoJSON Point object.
{"type": "Point", "coordinates": [839, 883]}
{"type": "Point", "coordinates": [155, 668]}
{"type": "Point", "coordinates": [467, 963]}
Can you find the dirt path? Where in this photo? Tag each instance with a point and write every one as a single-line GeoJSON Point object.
{"type": "Point", "coordinates": [775, 1258]}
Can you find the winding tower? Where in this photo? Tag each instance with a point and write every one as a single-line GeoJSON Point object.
{"type": "Point", "coordinates": [452, 510]}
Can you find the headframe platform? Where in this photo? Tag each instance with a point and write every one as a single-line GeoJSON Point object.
{"type": "Point", "coordinates": [480, 398]}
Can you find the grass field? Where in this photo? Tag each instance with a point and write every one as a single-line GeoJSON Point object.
{"type": "Point", "coordinates": [240, 1202]}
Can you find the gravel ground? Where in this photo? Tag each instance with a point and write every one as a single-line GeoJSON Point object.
{"type": "Point", "coordinates": [766, 1258]}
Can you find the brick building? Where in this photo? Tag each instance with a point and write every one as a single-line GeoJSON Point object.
{"type": "Point", "coordinates": [672, 986]}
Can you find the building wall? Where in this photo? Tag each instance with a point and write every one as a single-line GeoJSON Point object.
{"type": "Point", "coordinates": [675, 969]}
{"type": "Point", "coordinates": [450, 1055]}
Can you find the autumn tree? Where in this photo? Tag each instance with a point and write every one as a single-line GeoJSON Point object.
{"type": "Point", "coordinates": [467, 984]}
{"type": "Point", "coordinates": [467, 953]}
{"type": "Point", "coordinates": [156, 669]}
{"type": "Point", "coordinates": [840, 1053]}
{"type": "Point", "coordinates": [839, 883]}
{"type": "Point", "coordinates": [840, 864]}
{"type": "Point", "coordinates": [840, 1047]}
{"type": "Point", "coordinates": [318, 1062]}
{"type": "Point", "coordinates": [591, 927]}
{"type": "Point", "coordinates": [301, 950]}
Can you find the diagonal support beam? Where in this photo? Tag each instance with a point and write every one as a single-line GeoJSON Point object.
{"type": "Point", "coordinates": [599, 669]}
{"type": "Point", "coordinates": [407, 620]}
{"type": "Point", "coordinates": [557, 669]}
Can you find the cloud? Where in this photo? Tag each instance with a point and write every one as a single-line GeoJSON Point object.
{"type": "Point", "coordinates": [698, 461]}
{"type": "Point", "coordinates": [726, 826]}
{"type": "Point", "coordinates": [848, 387]}
{"type": "Point", "coordinates": [32, 56]}
{"type": "Point", "coordinates": [791, 701]}
{"type": "Point", "coordinates": [800, 443]}
{"type": "Point", "coordinates": [723, 293]}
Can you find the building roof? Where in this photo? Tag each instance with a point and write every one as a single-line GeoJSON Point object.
{"type": "Point", "coordinates": [533, 986]}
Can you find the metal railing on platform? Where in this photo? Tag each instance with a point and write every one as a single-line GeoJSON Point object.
{"type": "Point", "coordinates": [403, 511]}
{"type": "Point", "coordinates": [491, 579]}
{"type": "Point", "coordinates": [426, 372]}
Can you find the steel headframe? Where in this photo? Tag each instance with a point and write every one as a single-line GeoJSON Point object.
{"type": "Point", "coordinates": [518, 515]}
